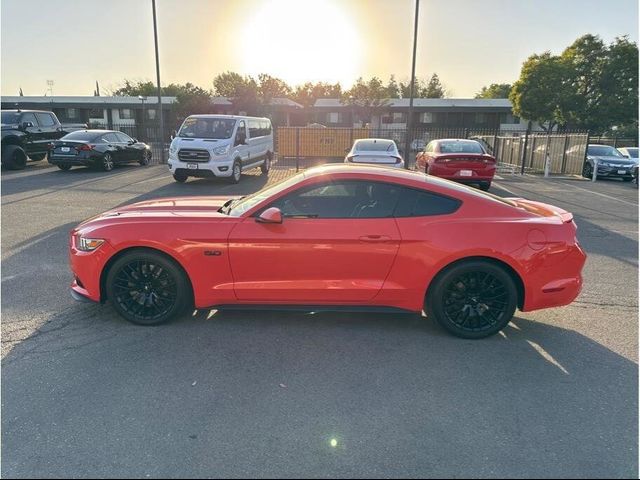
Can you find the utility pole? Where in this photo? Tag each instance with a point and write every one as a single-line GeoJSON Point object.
{"type": "Point", "coordinates": [155, 37]}
{"type": "Point", "coordinates": [407, 143]}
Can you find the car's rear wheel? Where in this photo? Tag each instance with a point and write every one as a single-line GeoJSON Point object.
{"type": "Point", "coordinates": [64, 167]}
{"type": "Point", "coordinates": [146, 158]}
{"type": "Point", "coordinates": [14, 157]}
{"type": "Point", "coordinates": [147, 288]}
{"type": "Point", "coordinates": [107, 162]}
{"type": "Point", "coordinates": [180, 177]}
{"type": "Point", "coordinates": [473, 299]}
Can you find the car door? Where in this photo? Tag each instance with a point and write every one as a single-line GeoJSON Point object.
{"type": "Point", "coordinates": [129, 150]}
{"type": "Point", "coordinates": [241, 143]}
{"type": "Point", "coordinates": [115, 147]}
{"type": "Point", "coordinates": [254, 139]}
{"type": "Point", "coordinates": [49, 127]}
{"type": "Point", "coordinates": [33, 135]}
{"type": "Point", "coordinates": [336, 245]}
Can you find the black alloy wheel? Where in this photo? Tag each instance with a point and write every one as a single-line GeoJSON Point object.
{"type": "Point", "coordinates": [147, 288]}
{"type": "Point", "coordinates": [473, 300]}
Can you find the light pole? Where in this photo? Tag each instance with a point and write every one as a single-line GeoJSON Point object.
{"type": "Point", "coordinates": [155, 37]}
{"type": "Point", "coordinates": [407, 143]}
{"type": "Point", "coordinates": [142, 98]}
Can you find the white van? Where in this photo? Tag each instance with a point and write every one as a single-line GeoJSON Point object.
{"type": "Point", "coordinates": [221, 146]}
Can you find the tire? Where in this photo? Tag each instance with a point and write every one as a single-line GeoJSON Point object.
{"type": "Point", "coordinates": [180, 177]}
{"type": "Point", "coordinates": [236, 174]}
{"type": "Point", "coordinates": [14, 157]}
{"type": "Point", "coordinates": [38, 157]}
{"type": "Point", "coordinates": [64, 167]}
{"type": "Point", "coordinates": [587, 170]}
{"type": "Point", "coordinates": [473, 299]}
{"type": "Point", "coordinates": [146, 158]}
{"type": "Point", "coordinates": [147, 288]}
{"type": "Point", "coordinates": [107, 162]}
{"type": "Point", "coordinates": [485, 186]}
{"type": "Point", "coordinates": [266, 166]}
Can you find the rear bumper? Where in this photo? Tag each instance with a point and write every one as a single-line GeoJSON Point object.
{"type": "Point", "coordinates": [485, 174]}
{"type": "Point", "coordinates": [70, 160]}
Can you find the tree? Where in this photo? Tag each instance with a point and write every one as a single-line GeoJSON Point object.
{"type": "Point", "coordinates": [418, 89]}
{"type": "Point", "coordinates": [434, 88]}
{"type": "Point", "coordinates": [242, 91]}
{"type": "Point", "coordinates": [495, 90]}
{"type": "Point", "coordinates": [591, 85]}
{"type": "Point", "coordinates": [366, 98]}
{"type": "Point", "coordinates": [271, 87]}
{"type": "Point", "coordinates": [307, 93]}
{"type": "Point", "coordinates": [543, 92]}
{"type": "Point", "coordinates": [393, 89]}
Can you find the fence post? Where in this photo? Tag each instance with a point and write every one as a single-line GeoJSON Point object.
{"type": "Point", "coordinates": [495, 145]}
{"type": "Point", "coordinates": [533, 148]}
{"type": "Point", "coordinates": [584, 160]}
{"type": "Point", "coordinates": [297, 149]}
{"type": "Point", "coordinates": [524, 150]}
{"type": "Point", "coordinates": [466, 133]}
{"type": "Point", "coordinates": [615, 141]}
{"type": "Point", "coordinates": [563, 169]}
{"type": "Point", "coordinates": [547, 158]}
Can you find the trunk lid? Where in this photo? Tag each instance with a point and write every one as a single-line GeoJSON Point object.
{"type": "Point", "coordinates": [542, 209]}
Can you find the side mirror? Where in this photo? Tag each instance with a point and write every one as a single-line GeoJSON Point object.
{"type": "Point", "coordinates": [347, 150]}
{"type": "Point", "coordinates": [132, 141]}
{"type": "Point", "coordinates": [270, 215]}
{"type": "Point", "coordinates": [26, 125]}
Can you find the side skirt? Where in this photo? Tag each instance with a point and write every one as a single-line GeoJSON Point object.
{"type": "Point", "coordinates": [315, 308]}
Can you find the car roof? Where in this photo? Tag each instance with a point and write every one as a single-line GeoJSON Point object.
{"type": "Point", "coordinates": [382, 172]}
{"type": "Point", "coordinates": [465, 140]}
{"type": "Point", "coordinates": [231, 117]}
{"type": "Point", "coordinates": [96, 131]}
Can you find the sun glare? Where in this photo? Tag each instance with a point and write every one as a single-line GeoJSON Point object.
{"type": "Point", "coordinates": [302, 41]}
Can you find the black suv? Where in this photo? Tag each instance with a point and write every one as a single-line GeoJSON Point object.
{"type": "Point", "coordinates": [26, 134]}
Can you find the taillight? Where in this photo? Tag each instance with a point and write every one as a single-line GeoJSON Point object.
{"type": "Point", "coordinates": [398, 160]}
{"type": "Point", "coordinates": [441, 160]}
{"type": "Point", "coordinates": [85, 147]}
{"type": "Point", "coordinates": [350, 158]}
{"type": "Point", "coordinates": [50, 146]}
{"type": "Point", "coordinates": [489, 160]}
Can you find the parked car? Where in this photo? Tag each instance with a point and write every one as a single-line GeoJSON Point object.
{"type": "Point", "coordinates": [629, 152]}
{"type": "Point", "coordinates": [221, 146]}
{"type": "Point", "coordinates": [417, 145]}
{"type": "Point", "coordinates": [464, 161]}
{"type": "Point", "coordinates": [375, 151]}
{"type": "Point", "coordinates": [611, 163]}
{"type": "Point", "coordinates": [102, 149]}
{"type": "Point", "coordinates": [26, 134]}
{"type": "Point", "coordinates": [336, 237]}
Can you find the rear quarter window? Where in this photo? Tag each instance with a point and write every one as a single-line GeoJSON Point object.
{"type": "Point", "coordinates": [418, 203]}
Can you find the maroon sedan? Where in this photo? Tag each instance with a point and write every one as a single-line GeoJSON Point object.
{"type": "Point", "coordinates": [464, 161]}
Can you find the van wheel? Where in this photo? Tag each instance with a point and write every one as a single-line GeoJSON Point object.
{"type": "Point", "coordinates": [266, 166]}
{"type": "Point", "coordinates": [473, 299]}
{"type": "Point", "coordinates": [64, 167]}
{"type": "Point", "coordinates": [180, 177]}
{"type": "Point", "coordinates": [236, 172]}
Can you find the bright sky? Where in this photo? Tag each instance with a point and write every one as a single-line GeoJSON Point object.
{"type": "Point", "coordinates": [469, 43]}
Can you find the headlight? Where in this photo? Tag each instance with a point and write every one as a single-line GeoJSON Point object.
{"type": "Point", "coordinates": [173, 149]}
{"type": "Point", "coordinates": [88, 244]}
{"type": "Point", "coordinates": [221, 150]}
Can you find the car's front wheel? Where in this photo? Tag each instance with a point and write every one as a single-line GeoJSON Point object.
{"type": "Point", "coordinates": [473, 299]}
{"type": "Point", "coordinates": [587, 170]}
{"type": "Point", "coordinates": [147, 288]}
{"type": "Point", "coordinates": [64, 167]}
{"type": "Point", "coordinates": [107, 162]}
{"type": "Point", "coordinates": [146, 158]}
{"type": "Point", "coordinates": [180, 177]}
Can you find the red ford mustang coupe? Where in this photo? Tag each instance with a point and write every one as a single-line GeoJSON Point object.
{"type": "Point", "coordinates": [334, 238]}
{"type": "Point", "coordinates": [464, 161]}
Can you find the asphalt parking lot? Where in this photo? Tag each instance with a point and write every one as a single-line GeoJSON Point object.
{"type": "Point", "coordinates": [249, 394]}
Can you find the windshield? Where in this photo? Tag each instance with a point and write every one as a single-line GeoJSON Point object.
{"type": "Point", "coordinates": [216, 128]}
{"type": "Point", "coordinates": [240, 206]}
{"type": "Point", "coordinates": [603, 151]}
{"type": "Point", "coordinates": [10, 117]}
{"type": "Point", "coordinates": [460, 147]}
{"type": "Point", "coordinates": [375, 146]}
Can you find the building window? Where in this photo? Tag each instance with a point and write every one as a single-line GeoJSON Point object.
{"type": "Point", "coordinates": [151, 113]}
{"type": "Point", "coordinates": [96, 113]}
{"type": "Point", "coordinates": [481, 118]}
{"type": "Point", "coordinates": [426, 117]}
{"type": "Point", "coordinates": [125, 114]}
{"type": "Point", "coordinates": [334, 117]}
{"type": "Point", "coordinates": [509, 118]}
{"type": "Point", "coordinates": [72, 113]}
{"type": "Point", "coordinates": [394, 117]}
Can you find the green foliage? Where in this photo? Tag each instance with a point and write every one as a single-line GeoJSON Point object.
{"type": "Point", "coordinates": [495, 90]}
{"type": "Point", "coordinates": [366, 97]}
{"type": "Point", "coordinates": [434, 88]}
{"type": "Point", "coordinates": [307, 93]}
{"type": "Point", "coordinates": [591, 85]}
{"type": "Point", "coordinates": [134, 88]}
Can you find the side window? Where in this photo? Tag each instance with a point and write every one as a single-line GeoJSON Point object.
{"type": "Point", "coordinates": [29, 117]}
{"type": "Point", "coordinates": [342, 199]}
{"type": "Point", "coordinates": [241, 133]}
{"type": "Point", "coordinates": [45, 119]}
{"type": "Point", "coordinates": [111, 138]}
{"type": "Point", "coordinates": [417, 203]}
{"type": "Point", "coordinates": [254, 129]}
{"type": "Point", "coordinates": [122, 137]}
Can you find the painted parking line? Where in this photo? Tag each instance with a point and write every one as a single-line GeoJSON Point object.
{"type": "Point", "coordinates": [600, 194]}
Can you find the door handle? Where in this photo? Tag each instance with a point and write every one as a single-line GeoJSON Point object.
{"type": "Point", "coordinates": [375, 238]}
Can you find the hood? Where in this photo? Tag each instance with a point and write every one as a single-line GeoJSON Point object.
{"type": "Point", "coordinates": [163, 209]}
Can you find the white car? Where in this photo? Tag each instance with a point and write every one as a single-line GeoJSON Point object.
{"type": "Point", "coordinates": [375, 151]}
{"type": "Point", "coordinates": [630, 152]}
{"type": "Point", "coordinates": [221, 146]}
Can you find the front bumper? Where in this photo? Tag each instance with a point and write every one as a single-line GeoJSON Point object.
{"type": "Point", "coordinates": [86, 268]}
{"type": "Point", "coordinates": [212, 168]}
{"type": "Point", "coordinates": [618, 172]}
